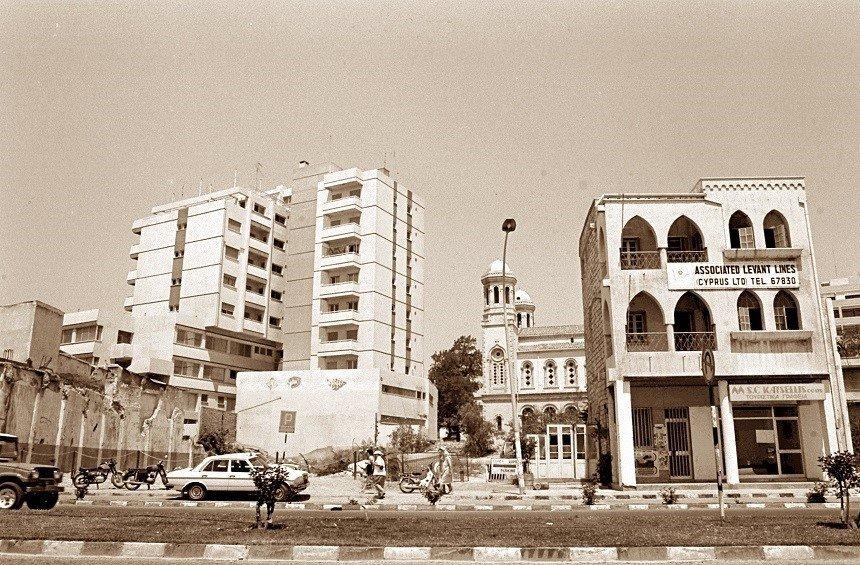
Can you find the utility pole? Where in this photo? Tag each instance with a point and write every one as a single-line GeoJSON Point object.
{"type": "Point", "coordinates": [508, 226]}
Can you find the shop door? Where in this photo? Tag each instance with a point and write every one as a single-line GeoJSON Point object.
{"type": "Point", "coordinates": [555, 454]}
{"type": "Point", "coordinates": [678, 442]}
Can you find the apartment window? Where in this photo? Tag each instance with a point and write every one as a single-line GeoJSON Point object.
{"type": "Point", "coordinates": [353, 305]}
{"type": "Point", "coordinates": [331, 365]}
{"type": "Point", "coordinates": [741, 234]}
{"type": "Point", "coordinates": [258, 260]}
{"type": "Point", "coordinates": [280, 220]}
{"type": "Point", "coordinates": [331, 336]}
{"type": "Point", "coordinates": [217, 344]}
{"type": "Point", "coordinates": [189, 338]}
{"type": "Point", "coordinates": [356, 192]}
{"type": "Point", "coordinates": [636, 323]}
{"type": "Point", "coordinates": [785, 311]}
{"type": "Point", "coordinates": [255, 286]}
{"type": "Point", "coordinates": [274, 321]}
{"type": "Point", "coordinates": [276, 295]}
{"type": "Point", "coordinates": [214, 373]}
{"type": "Point", "coordinates": [204, 399]}
{"type": "Point", "coordinates": [229, 281]}
{"type": "Point", "coordinates": [352, 364]}
{"type": "Point", "coordinates": [231, 253]}
{"type": "Point", "coordinates": [260, 209]}
{"type": "Point", "coordinates": [749, 312]}
{"type": "Point", "coordinates": [227, 309]}
{"type": "Point", "coordinates": [253, 314]}
{"type": "Point", "coordinates": [334, 223]}
{"type": "Point", "coordinates": [334, 307]}
{"type": "Point", "coordinates": [183, 368]}
{"type": "Point", "coordinates": [234, 226]}
{"type": "Point", "coordinates": [241, 349]}
{"type": "Point", "coordinates": [278, 244]}
{"type": "Point", "coordinates": [221, 403]}
{"type": "Point", "coordinates": [66, 337]}
{"type": "Point", "coordinates": [352, 334]}
{"type": "Point", "coordinates": [233, 374]}
{"type": "Point", "coordinates": [259, 232]}
{"type": "Point", "coordinates": [277, 270]}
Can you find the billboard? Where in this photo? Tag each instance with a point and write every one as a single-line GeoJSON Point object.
{"type": "Point", "coordinates": [716, 276]}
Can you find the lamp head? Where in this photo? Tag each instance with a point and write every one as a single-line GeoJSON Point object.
{"type": "Point", "coordinates": [509, 225]}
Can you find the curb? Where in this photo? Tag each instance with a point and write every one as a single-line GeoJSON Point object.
{"type": "Point", "coordinates": [228, 552]}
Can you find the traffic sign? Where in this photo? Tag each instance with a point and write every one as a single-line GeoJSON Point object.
{"type": "Point", "coordinates": [708, 365]}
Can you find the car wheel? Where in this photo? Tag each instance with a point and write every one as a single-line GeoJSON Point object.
{"type": "Point", "coordinates": [284, 494]}
{"type": "Point", "coordinates": [196, 492]}
{"type": "Point", "coordinates": [42, 501]}
{"type": "Point", "coordinates": [11, 496]}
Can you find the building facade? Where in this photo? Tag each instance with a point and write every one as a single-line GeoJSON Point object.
{"type": "Point", "coordinates": [728, 267]}
{"type": "Point", "coordinates": [99, 337]}
{"type": "Point", "coordinates": [549, 362]}
{"type": "Point", "coordinates": [843, 295]}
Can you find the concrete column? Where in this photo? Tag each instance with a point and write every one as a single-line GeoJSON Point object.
{"type": "Point", "coordinates": [670, 337]}
{"type": "Point", "coordinates": [664, 257]}
{"type": "Point", "coordinates": [830, 431]}
{"type": "Point", "coordinates": [79, 456]}
{"type": "Point", "coordinates": [730, 448]}
{"type": "Point", "coordinates": [102, 425]}
{"type": "Point", "coordinates": [61, 420]}
{"type": "Point", "coordinates": [37, 402]}
{"type": "Point", "coordinates": [624, 426]}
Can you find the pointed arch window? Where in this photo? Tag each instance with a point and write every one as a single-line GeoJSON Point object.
{"type": "Point", "coordinates": [749, 312]}
{"type": "Point", "coordinates": [528, 375]}
{"type": "Point", "coordinates": [776, 231]}
{"type": "Point", "coordinates": [550, 379]}
{"type": "Point", "coordinates": [785, 312]}
{"type": "Point", "coordinates": [570, 372]}
{"type": "Point", "coordinates": [741, 234]}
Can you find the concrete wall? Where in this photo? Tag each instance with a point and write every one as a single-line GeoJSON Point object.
{"type": "Point", "coordinates": [19, 342]}
{"type": "Point", "coordinates": [68, 420]}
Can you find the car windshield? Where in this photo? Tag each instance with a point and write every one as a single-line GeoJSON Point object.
{"type": "Point", "coordinates": [8, 449]}
{"type": "Point", "coordinates": [261, 460]}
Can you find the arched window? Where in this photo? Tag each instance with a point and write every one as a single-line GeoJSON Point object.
{"type": "Point", "coordinates": [498, 423]}
{"type": "Point", "coordinates": [497, 367]}
{"type": "Point", "coordinates": [549, 376]}
{"type": "Point", "coordinates": [685, 243]}
{"type": "Point", "coordinates": [508, 294]}
{"type": "Point", "coordinates": [528, 412]}
{"type": "Point", "coordinates": [646, 330]}
{"type": "Point", "coordinates": [528, 376]}
{"type": "Point", "coordinates": [741, 234]}
{"type": "Point", "coordinates": [693, 328]}
{"type": "Point", "coordinates": [570, 372]}
{"type": "Point", "coordinates": [749, 312]}
{"type": "Point", "coordinates": [496, 294]}
{"type": "Point", "coordinates": [519, 320]}
{"type": "Point", "coordinates": [571, 410]}
{"type": "Point", "coordinates": [639, 245]}
{"type": "Point", "coordinates": [776, 231]}
{"type": "Point", "coordinates": [488, 296]}
{"type": "Point", "coordinates": [550, 410]}
{"type": "Point", "coordinates": [785, 311]}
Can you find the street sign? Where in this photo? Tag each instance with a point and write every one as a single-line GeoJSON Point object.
{"type": "Point", "coordinates": [708, 365]}
{"type": "Point", "coordinates": [288, 422]}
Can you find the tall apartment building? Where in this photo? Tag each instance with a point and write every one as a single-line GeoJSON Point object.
{"type": "Point", "coordinates": [729, 267]}
{"type": "Point", "coordinates": [209, 287]}
{"type": "Point", "coordinates": [99, 337]}
{"type": "Point", "coordinates": [843, 294]}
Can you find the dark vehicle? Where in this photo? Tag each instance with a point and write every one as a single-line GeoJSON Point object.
{"type": "Point", "coordinates": [37, 485]}
{"type": "Point", "coordinates": [97, 475]}
{"type": "Point", "coordinates": [134, 477]}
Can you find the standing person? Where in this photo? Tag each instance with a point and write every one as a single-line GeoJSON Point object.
{"type": "Point", "coordinates": [445, 470]}
{"type": "Point", "coordinates": [379, 472]}
{"type": "Point", "coordinates": [366, 470]}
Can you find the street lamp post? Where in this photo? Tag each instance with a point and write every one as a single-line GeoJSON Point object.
{"type": "Point", "coordinates": [508, 226]}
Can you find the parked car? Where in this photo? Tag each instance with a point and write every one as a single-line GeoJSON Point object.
{"type": "Point", "coordinates": [37, 485]}
{"type": "Point", "coordinates": [232, 473]}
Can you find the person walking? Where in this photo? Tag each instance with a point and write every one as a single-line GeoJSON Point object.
{"type": "Point", "coordinates": [379, 472]}
{"type": "Point", "coordinates": [445, 470]}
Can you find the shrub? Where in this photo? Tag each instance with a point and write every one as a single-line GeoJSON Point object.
{"type": "Point", "coordinates": [669, 495]}
{"type": "Point", "coordinates": [589, 490]}
{"type": "Point", "coordinates": [841, 467]}
{"type": "Point", "coordinates": [817, 493]}
{"type": "Point", "coordinates": [479, 440]}
{"type": "Point", "coordinates": [406, 440]}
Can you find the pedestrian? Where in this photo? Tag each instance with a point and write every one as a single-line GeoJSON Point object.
{"type": "Point", "coordinates": [379, 472]}
{"type": "Point", "coordinates": [366, 470]}
{"type": "Point", "coordinates": [445, 470]}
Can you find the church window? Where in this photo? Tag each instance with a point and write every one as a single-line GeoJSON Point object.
{"type": "Point", "coordinates": [496, 294]}
{"type": "Point", "coordinates": [570, 371]}
{"type": "Point", "coordinates": [549, 374]}
{"type": "Point", "coordinates": [528, 377]}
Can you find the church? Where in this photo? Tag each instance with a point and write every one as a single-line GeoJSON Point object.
{"type": "Point", "coordinates": [549, 362]}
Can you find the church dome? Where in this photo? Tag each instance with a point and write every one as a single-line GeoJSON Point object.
{"type": "Point", "coordinates": [496, 269]}
{"type": "Point", "coordinates": [522, 297]}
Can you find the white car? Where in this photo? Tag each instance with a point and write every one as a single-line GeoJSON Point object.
{"type": "Point", "coordinates": [232, 473]}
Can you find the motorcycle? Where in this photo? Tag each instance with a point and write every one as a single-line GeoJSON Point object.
{"type": "Point", "coordinates": [97, 475]}
{"type": "Point", "coordinates": [136, 476]}
{"type": "Point", "coordinates": [411, 482]}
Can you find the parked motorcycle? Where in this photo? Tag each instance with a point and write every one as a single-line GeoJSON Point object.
{"type": "Point", "coordinates": [136, 476]}
{"type": "Point", "coordinates": [97, 475]}
{"type": "Point", "coordinates": [411, 482]}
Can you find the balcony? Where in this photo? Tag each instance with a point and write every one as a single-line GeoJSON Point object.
{"type": "Point", "coordinates": [692, 256]}
{"type": "Point", "coordinates": [131, 277]}
{"type": "Point", "coordinates": [342, 205]}
{"type": "Point", "coordinates": [337, 232]}
{"type": "Point", "coordinates": [255, 298]}
{"type": "Point", "coordinates": [338, 289]}
{"type": "Point", "coordinates": [258, 272]}
{"type": "Point", "coordinates": [339, 347]}
{"type": "Point", "coordinates": [120, 352]}
{"type": "Point", "coordinates": [339, 317]}
{"type": "Point", "coordinates": [339, 260]}
{"type": "Point", "coordinates": [784, 341]}
{"type": "Point", "coordinates": [633, 260]}
{"type": "Point", "coordinates": [135, 250]}
{"type": "Point", "coordinates": [650, 341]}
{"type": "Point", "coordinates": [128, 303]}
{"type": "Point", "coordinates": [695, 341]}
{"type": "Point", "coordinates": [260, 246]}
{"type": "Point", "coordinates": [758, 254]}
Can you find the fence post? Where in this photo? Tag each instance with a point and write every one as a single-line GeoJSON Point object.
{"type": "Point", "coordinates": [354, 464]}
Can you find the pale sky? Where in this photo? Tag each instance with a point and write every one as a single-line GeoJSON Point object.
{"type": "Point", "coordinates": [488, 110]}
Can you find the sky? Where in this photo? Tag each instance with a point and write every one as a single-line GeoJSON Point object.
{"type": "Point", "coordinates": [488, 110]}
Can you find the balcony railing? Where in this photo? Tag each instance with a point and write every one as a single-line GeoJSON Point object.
{"type": "Point", "coordinates": [695, 341]}
{"type": "Point", "coordinates": [640, 260]}
{"type": "Point", "coordinates": [647, 341]}
{"type": "Point", "coordinates": [699, 256]}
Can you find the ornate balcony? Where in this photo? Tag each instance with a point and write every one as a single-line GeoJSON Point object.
{"type": "Point", "coordinates": [632, 260]}
{"type": "Point", "coordinates": [696, 256]}
{"type": "Point", "coordinates": [695, 341]}
{"type": "Point", "coordinates": [650, 341]}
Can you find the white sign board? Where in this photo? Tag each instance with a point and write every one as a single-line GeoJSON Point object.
{"type": "Point", "coordinates": [776, 392]}
{"type": "Point", "coordinates": [715, 276]}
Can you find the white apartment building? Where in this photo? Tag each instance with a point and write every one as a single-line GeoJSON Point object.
{"type": "Point", "coordinates": [550, 370]}
{"type": "Point", "coordinates": [843, 294]}
{"type": "Point", "coordinates": [208, 290]}
{"type": "Point", "coordinates": [353, 316]}
{"type": "Point", "coordinates": [730, 267]}
{"type": "Point", "coordinates": [99, 337]}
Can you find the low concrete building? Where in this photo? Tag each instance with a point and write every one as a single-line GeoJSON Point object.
{"type": "Point", "coordinates": [99, 337]}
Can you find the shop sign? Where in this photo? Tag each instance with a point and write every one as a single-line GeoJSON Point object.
{"type": "Point", "coordinates": [776, 392]}
{"type": "Point", "coordinates": [714, 276]}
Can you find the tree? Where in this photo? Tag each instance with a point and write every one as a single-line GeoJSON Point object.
{"type": "Point", "coordinates": [456, 373]}
{"type": "Point", "coordinates": [841, 468]}
{"type": "Point", "coordinates": [535, 424]}
{"type": "Point", "coordinates": [479, 432]}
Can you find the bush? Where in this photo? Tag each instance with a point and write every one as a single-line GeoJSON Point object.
{"type": "Point", "coordinates": [406, 440]}
{"type": "Point", "coordinates": [589, 490]}
{"type": "Point", "coordinates": [669, 495]}
{"type": "Point", "coordinates": [817, 493]}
